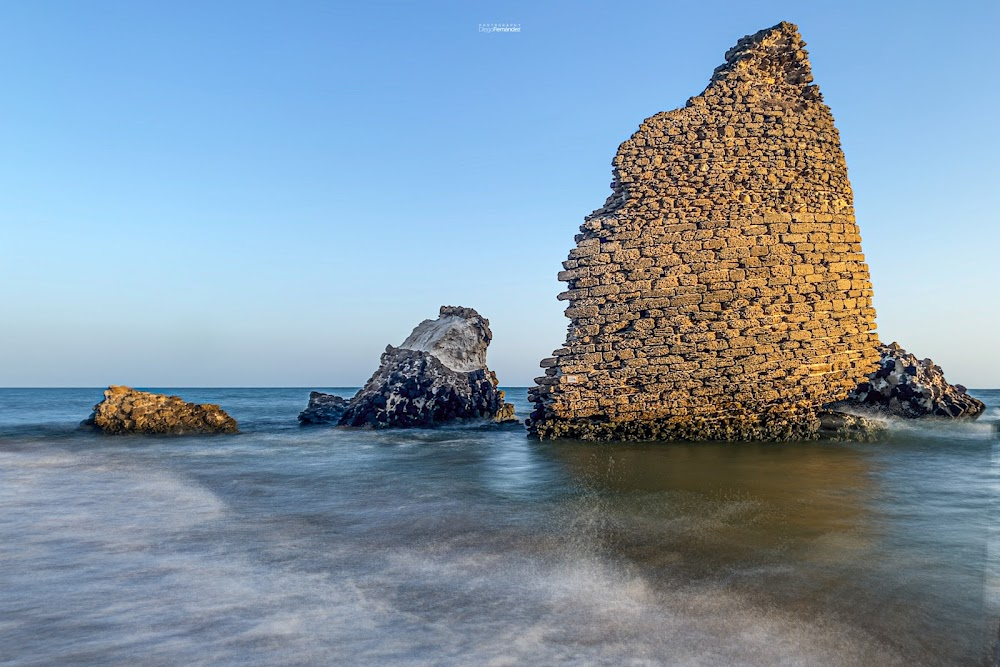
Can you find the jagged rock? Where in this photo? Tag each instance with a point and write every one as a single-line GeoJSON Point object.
{"type": "Point", "coordinates": [323, 409]}
{"type": "Point", "coordinates": [126, 410]}
{"type": "Point", "coordinates": [721, 291]}
{"type": "Point", "coordinates": [907, 387]}
{"type": "Point", "coordinates": [437, 375]}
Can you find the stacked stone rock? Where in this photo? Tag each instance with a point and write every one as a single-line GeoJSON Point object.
{"type": "Point", "coordinates": [721, 292]}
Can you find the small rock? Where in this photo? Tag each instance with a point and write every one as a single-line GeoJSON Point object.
{"type": "Point", "coordinates": [323, 409]}
{"type": "Point", "coordinates": [127, 410]}
{"type": "Point", "coordinates": [836, 425]}
{"type": "Point", "coordinates": [506, 412]}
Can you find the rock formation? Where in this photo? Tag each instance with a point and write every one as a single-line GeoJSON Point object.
{"type": "Point", "coordinates": [720, 292]}
{"type": "Point", "coordinates": [837, 425]}
{"type": "Point", "coordinates": [437, 375]}
{"type": "Point", "coordinates": [323, 409]}
{"type": "Point", "coordinates": [904, 386]}
{"type": "Point", "coordinates": [126, 410]}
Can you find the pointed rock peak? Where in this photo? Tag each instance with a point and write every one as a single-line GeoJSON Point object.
{"type": "Point", "coordinates": [771, 56]}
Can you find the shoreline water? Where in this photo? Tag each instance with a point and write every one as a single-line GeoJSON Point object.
{"type": "Point", "coordinates": [292, 545]}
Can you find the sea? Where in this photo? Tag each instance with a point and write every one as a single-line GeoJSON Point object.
{"type": "Point", "coordinates": [473, 545]}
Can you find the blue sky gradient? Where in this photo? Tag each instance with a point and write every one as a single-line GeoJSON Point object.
{"type": "Point", "coordinates": [266, 194]}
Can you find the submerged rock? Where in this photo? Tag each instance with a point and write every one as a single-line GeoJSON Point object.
{"type": "Point", "coordinates": [323, 409]}
{"type": "Point", "coordinates": [127, 410]}
{"type": "Point", "coordinates": [437, 375]}
{"type": "Point", "coordinates": [835, 425]}
{"type": "Point", "coordinates": [904, 386]}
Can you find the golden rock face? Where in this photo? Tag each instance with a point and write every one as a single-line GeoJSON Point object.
{"type": "Point", "coordinates": [127, 410]}
{"type": "Point", "coordinates": [721, 291]}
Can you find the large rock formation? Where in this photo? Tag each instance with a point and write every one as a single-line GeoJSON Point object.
{"type": "Point", "coordinates": [905, 386]}
{"type": "Point", "coordinates": [323, 409]}
{"type": "Point", "coordinates": [437, 375]}
{"type": "Point", "coordinates": [126, 410]}
{"type": "Point", "coordinates": [720, 292]}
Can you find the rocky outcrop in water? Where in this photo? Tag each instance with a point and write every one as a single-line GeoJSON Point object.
{"type": "Point", "coordinates": [721, 291]}
{"type": "Point", "coordinates": [905, 386]}
{"type": "Point", "coordinates": [323, 409]}
{"type": "Point", "coordinates": [835, 425]}
{"type": "Point", "coordinates": [437, 375]}
{"type": "Point", "coordinates": [127, 410]}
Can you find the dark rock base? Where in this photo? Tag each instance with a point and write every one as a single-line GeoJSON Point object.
{"type": "Point", "coordinates": [414, 389]}
{"type": "Point", "coordinates": [323, 409]}
{"type": "Point", "coordinates": [793, 427]}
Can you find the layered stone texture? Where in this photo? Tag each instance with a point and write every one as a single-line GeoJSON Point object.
{"type": "Point", "coordinates": [904, 386]}
{"type": "Point", "coordinates": [127, 410]}
{"type": "Point", "coordinates": [721, 291]}
{"type": "Point", "coordinates": [437, 375]}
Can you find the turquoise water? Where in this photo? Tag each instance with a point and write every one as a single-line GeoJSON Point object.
{"type": "Point", "coordinates": [465, 546]}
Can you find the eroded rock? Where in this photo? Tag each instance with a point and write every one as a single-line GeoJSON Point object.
{"type": "Point", "coordinates": [721, 291]}
{"type": "Point", "coordinates": [323, 409]}
{"type": "Point", "coordinates": [127, 410]}
{"type": "Point", "coordinates": [437, 375]}
{"type": "Point", "coordinates": [905, 386]}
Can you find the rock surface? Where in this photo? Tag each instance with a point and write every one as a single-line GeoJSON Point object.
{"type": "Point", "coordinates": [438, 375]}
{"type": "Point", "coordinates": [834, 425]}
{"type": "Point", "coordinates": [458, 338]}
{"type": "Point", "coordinates": [126, 410]}
{"type": "Point", "coordinates": [905, 386]}
{"type": "Point", "coordinates": [721, 291]}
{"type": "Point", "coordinates": [323, 409]}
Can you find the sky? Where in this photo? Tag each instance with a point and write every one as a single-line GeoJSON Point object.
{"type": "Point", "coordinates": [244, 193]}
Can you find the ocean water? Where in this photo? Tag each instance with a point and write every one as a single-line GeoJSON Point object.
{"type": "Point", "coordinates": [467, 546]}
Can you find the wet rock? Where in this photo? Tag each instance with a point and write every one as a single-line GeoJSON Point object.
{"type": "Point", "coordinates": [905, 386]}
{"type": "Point", "coordinates": [836, 425]}
{"type": "Point", "coordinates": [791, 423]}
{"type": "Point", "coordinates": [127, 410]}
{"type": "Point", "coordinates": [323, 409]}
{"type": "Point", "coordinates": [437, 375]}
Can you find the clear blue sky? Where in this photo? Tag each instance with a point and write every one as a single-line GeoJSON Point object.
{"type": "Point", "coordinates": [267, 193]}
